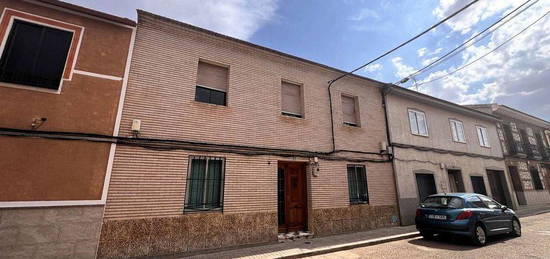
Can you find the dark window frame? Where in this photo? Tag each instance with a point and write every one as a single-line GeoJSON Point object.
{"type": "Point", "coordinates": [205, 206]}
{"type": "Point", "coordinates": [35, 78]}
{"type": "Point", "coordinates": [209, 99]}
{"type": "Point", "coordinates": [354, 184]}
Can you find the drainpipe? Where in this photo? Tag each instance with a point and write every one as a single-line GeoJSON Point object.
{"type": "Point", "coordinates": [384, 91]}
{"type": "Point", "coordinates": [331, 115]}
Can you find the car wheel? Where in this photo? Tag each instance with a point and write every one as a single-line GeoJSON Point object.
{"type": "Point", "coordinates": [516, 228]}
{"type": "Point", "coordinates": [480, 236]}
{"type": "Point", "coordinates": [427, 235]}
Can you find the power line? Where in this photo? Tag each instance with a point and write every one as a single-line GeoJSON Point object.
{"type": "Point", "coordinates": [405, 43]}
{"type": "Point", "coordinates": [331, 82]}
{"type": "Point", "coordinates": [493, 50]}
{"type": "Point", "coordinates": [452, 53]}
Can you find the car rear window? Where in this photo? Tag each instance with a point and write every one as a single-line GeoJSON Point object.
{"type": "Point", "coordinates": [442, 202]}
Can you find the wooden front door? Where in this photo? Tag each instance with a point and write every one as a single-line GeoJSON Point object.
{"type": "Point", "coordinates": [426, 185]}
{"type": "Point", "coordinates": [292, 193]}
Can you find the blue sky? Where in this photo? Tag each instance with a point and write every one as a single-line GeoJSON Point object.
{"type": "Point", "coordinates": [347, 33]}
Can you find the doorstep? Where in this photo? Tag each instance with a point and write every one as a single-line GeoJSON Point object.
{"type": "Point", "coordinates": [302, 247]}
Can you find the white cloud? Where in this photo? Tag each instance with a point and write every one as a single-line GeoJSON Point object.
{"type": "Point", "coordinates": [471, 15]}
{"type": "Point", "coordinates": [436, 51]}
{"type": "Point", "coordinates": [236, 18]}
{"type": "Point", "coordinates": [517, 74]}
{"type": "Point", "coordinates": [421, 51]}
{"type": "Point", "coordinates": [365, 13]}
{"type": "Point", "coordinates": [373, 67]}
{"type": "Point", "coordinates": [428, 61]}
{"type": "Point", "coordinates": [402, 69]}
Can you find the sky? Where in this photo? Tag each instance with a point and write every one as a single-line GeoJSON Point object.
{"type": "Point", "coordinates": [346, 34]}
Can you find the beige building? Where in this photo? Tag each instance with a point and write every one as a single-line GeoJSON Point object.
{"type": "Point", "coordinates": [443, 147]}
{"type": "Point", "coordinates": [234, 145]}
{"type": "Point", "coordinates": [526, 147]}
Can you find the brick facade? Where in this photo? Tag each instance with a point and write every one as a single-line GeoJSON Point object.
{"type": "Point", "coordinates": [148, 185]}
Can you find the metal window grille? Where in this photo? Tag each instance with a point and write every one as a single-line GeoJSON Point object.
{"type": "Point", "coordinates": [205, 181]}
{"type": "Point", "coordinates": [357, 184]}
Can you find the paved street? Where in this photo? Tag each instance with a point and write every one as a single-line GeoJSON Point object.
{"type": "Point", "coordinates": [534, 243]}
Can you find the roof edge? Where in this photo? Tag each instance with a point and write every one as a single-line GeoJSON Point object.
{"type": "Point", "coordinates": [506, 107]}
{"type": "Point", "coordinates": [434, 100]}
{"type": "Point", "coordinates": [250, 44]}
{"type": "Point", "coordinates": [88, 11]}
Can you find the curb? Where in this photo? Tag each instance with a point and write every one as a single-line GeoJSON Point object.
{"type": "Point", "coordinates": [370, 242]}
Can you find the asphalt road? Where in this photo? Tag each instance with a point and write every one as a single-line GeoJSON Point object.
{"type": "Point", "coordinates": [534, 243]}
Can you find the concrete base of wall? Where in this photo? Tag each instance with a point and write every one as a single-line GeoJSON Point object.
{"type": "Point", "coordinates": [407, 210]}
{"type": "Point", "coordinates": [185, 233]}
{"type": "Point", "coordinates": [56, 232]}
{"type": "Point", "coordinates": [353, 218]}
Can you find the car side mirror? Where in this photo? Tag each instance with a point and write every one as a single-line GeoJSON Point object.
{"type": "Point", "coordinates": [503, 208]}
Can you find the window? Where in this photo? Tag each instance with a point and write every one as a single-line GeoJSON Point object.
{"type": "Point", "coordinates": [357, 184]}
{"type": "Point", "coordinates": [291, 99]}
{"type": "Point", "coordinates": [491, 204]}
{"type": "Point", "coordinates": [349, 111]}
{"type": "Point", "coordinates": [457, 130]}
{"type": "Point", "coordinates": [482, 136]}
{"type": "Point", "coordinates": [35, 55]}
{"type": "Point", "coordinates": [212, 83]}
{"type": "Point", "coordinates": [417, 119]}
{"type": "Point", "coordinates": [537, 184]}
{"type": "Point", "coordinates": [443, 202]}
{"type": "Point", "coordinates": [476, 202]}
{"type": "Point", "coordinates": [205, 183]}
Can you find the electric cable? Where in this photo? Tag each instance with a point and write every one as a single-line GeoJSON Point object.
{"type": "Point", "coordinates": [456, 50]}
{"type": "Point", "coordinates": [483, 56]}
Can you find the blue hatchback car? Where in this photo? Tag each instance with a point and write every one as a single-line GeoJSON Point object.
{"type": "Point", "coordinates": [469, 214]}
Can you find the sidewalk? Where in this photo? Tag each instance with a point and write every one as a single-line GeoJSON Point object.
{"type": "Point", "coordinates": [322, 245]}
{"type": "Point", "coordinates": [318, 245]}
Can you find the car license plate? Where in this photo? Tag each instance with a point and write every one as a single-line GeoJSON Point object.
{"type": "Point", "coordinates": [441, 217]}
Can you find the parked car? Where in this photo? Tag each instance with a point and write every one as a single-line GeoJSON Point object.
{"type": "Point", "coordinates": [468, 214]}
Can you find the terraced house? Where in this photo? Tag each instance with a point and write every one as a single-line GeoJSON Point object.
{"type": "Point", "coordinates": [236, 143]}
{"type": "Point", "coordinates": [62, 69]}
{"type": "Point", "coordinates": [526, 145]}
{"type": "Point", "coordinates": [443, 147]}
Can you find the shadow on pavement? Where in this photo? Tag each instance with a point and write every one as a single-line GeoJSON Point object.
{"type": "Point", "coordinates": [456, 243]}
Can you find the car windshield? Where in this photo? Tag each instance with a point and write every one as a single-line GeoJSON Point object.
{"type": "Point", "coordinates": [442, 202]}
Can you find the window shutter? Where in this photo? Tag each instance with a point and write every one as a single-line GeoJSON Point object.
{"type": "Point", "coordinates": [422, 128]}
{"type": "Point", "coordinates": [212, 76]}
{"type": "Point", "coordinates": [348, 108]}
{"type": "Point", "coordinates": [291, 98]}
{"type": "Point", "coordinates": [460, 132]}
{"type": "Point", "coordinates": [412, 121]}
{"type": "Point", "coordinates": [454, 130]}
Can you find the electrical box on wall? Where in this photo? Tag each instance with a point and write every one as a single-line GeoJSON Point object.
{"type": "Point", "coordinates": [136, 126]}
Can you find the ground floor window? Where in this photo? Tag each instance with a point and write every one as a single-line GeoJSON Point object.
{"type": "Point", "coordinates": [357, 184]}
{"type": "Point", "coordinates": [205, 183]}
{"type": "Point", "coordinates": [537, 183]}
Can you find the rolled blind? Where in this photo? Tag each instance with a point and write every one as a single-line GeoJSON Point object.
{"type": "Point", "coordinates": [212, 76]}
{"type": "Point", "coordinates": [348, 108]}
{"type": "Point", "coordinates": [291, 98]}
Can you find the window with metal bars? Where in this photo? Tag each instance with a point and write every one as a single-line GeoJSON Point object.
{"type": "Point", "coordinates": [357, 184]}
{"type": "Point", "coordinates": [205, 181]}
{"type": "Point", "coordinates": [35, 55]}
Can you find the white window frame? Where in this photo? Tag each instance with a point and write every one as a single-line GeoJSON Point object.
{"type": "Point", "coordinates": [417, 131]}
{"type": "Point", "coordinates": [455, 132]}
{"type": "Point", "coordinates": [483, 136]}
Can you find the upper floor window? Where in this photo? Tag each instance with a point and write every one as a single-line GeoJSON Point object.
{"type": "Point", "coordinates": [291, 99]}
{"type": "Point", "coordinates": [35, 55]}
{"type": "Point", "coordinates": [205, 183]}
{"type": "Point", "coordinates": [417, 120]}
{"type": "Point", "coordinates": [349, 109]}
{"type": "Point", "coordinates": [457, 131]}
{"type": "Point", "coordinates": [357, 184]}
{"type": "Point", "coordinates": [212, 83]}
{"type": "Point", "coordinates": [482, 136]}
